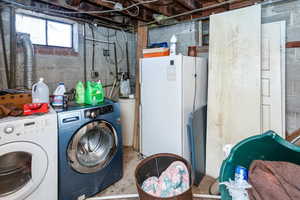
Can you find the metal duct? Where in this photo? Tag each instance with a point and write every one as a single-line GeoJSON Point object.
{"type": "Point", "coordinates": [24, 40]}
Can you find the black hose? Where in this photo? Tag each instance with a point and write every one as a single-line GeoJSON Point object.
{"type": "Point", "coordinates": [127, 61]}
{"type": "Point", "coordinates": [116, 61]}
{"type": "Point", "coordinates": [84, 53]}
{"type": "Point", "coordinates": [93, 54]}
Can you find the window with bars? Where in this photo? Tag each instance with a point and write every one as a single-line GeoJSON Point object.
{"type": "Point", "coordinates": [45, 32]}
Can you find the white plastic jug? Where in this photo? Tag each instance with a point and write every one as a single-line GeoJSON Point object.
{"type": "Point", "coordinates": [173, 42]}
{"type": "Point", "coordinates": [40, 92]}
{"type": "Point", "coordinates": [58, 95]}
{"type": "Point", "coordinates": [60, 90]}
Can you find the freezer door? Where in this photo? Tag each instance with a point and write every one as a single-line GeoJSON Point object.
{"type": "Point", "coordinates": [161, 102]}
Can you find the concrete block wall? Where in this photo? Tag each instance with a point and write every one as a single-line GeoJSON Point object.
{"type": "Point", "coordinates": [68, 67]}
{"type": "Point", "coordinates": [186, 33]}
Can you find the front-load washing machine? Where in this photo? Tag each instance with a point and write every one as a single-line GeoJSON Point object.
{"type": "Point", "coordinates": [90, 149]}
{"type": "Point", "coordinates": [28, 157]}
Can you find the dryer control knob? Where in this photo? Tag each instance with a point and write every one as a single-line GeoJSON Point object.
{"type": "Point", "coordinates": [93, 115]}
{"type": "Point", "coordinates": [88, 114]}
{"type": "Point", "coordinates": [8, 129]}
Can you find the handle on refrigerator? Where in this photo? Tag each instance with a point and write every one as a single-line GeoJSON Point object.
{"type": "Point", "coordinates": [141, 124]}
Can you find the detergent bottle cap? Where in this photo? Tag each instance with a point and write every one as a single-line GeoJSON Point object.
{"type": "Point", "coordinates": [173, 39]}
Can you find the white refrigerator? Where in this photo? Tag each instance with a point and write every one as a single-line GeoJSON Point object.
{"type": "Point", "coordinates": [169, 87]}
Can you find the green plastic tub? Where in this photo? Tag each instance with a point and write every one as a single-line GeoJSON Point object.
{"type": "Point", "coordinates": [268, 146]}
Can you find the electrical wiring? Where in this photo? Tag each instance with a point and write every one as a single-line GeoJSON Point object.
{"type": "Point", "coordinates": [8, 3]}
{"type": "Point", "coordinates": [136, 13]}
{"type": "Point", "coordinates": [121, 56]}
{"type": "Point", "coordinates": [266, 2]}
{"type": "Point", "coordinates": [165, 3]}
{"type": "Point", "coordinates": [105, 35]}
{"type": "Point", "coordinates": [120, 6]}
{"type": "Point", "coordinates": [108, 1]}
{"type": "Point", "coordinates": [195, 85]}
{"type": "Point", "coordinates": [93, 53]}
{"type": "Point", "coordinates": [124, 35]}
{"type": "Point", "coordinates": [193, 11]}
{"type": "Point", "coordinates": [100, 11]}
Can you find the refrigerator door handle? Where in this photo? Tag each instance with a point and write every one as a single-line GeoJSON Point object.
{"type": "Point", "coordinates": [140, 128]}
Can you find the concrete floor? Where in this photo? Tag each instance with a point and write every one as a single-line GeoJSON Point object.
{"type": "Point", "coordinates": [127, 184]}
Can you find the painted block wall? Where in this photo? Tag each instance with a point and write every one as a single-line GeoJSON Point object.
{"type": "Point", "coordinates": [186, 34]}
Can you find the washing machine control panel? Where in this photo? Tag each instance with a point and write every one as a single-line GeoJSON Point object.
{"type": "Point", "coordinates": [93, 113]}
{"type": "Point", "coordinates": [23, 128]}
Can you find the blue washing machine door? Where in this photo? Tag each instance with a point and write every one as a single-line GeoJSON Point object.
{"type": "Point", "coordinates": [92, 147]}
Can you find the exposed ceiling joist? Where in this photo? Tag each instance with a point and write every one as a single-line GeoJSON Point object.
{"type": "Point", "coordinates": [73, 2]}
{"type": "Point", "coordinates": [143, 15]}
{"type": "Point", "coordinates": [161, 8]}
{"type": "Point", "coordinates": [189, 4]}
{"type": "Point", "coordinates": [63, 4]}
{"type": "Point", "coordinates": [173, 9]}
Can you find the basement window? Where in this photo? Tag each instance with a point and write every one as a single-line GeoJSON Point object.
{"type": "Point", "coordinates": [45, 32]}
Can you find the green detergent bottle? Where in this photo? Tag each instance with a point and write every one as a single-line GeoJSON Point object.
{"type": "Point", "coordinates": [94, 93]}
{"type": "Point", "coordinates": [99, 92]}
{"type": "Point", "coordinates": [88, 93]}
{"type": "Point", "coordinates": [80, 93]}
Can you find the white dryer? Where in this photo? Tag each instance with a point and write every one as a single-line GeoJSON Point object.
{"type": "Point", "coordinates": [28, 157]}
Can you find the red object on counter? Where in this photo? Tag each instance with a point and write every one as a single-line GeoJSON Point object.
{"type": "Point", "coordinates": [35, 108]}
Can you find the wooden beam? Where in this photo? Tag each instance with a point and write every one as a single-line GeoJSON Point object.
{"type": "Point", "coordinates": [142, 41]}
{"type": "Point", "coordinates": [73, 2]}
{"type": "Point", "coordinates": [161, 9]}
{"type": "Point", "coordinates": [142, 17]}
{"type": "Point", "coordinates": [213, 10]}
{"type": "Point", "coordinates": [243, 3]}
{"type": "Point", "coordinates": [232, 6]}
{"type": "Point", "coordinates": [294, 44]}
{"type": "Point", "coordinates": [189, 4]}
{"type": "Point", "coordinates": [62, 4]}
{"type": "Point", "coordinates": [101, 6]}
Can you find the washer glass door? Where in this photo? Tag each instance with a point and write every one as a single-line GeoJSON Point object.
{"type": "Point", "coordinates": [23, 166]}
{"type": "Point", "coordinates": [92, 147]}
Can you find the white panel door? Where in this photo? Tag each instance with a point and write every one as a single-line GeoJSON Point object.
{"type": "Point", "coordinates": [273, 77]}
{"type": "Point", "coordinates": [234, 83]}
{"type": "Point", "coordinates": [161, 110]}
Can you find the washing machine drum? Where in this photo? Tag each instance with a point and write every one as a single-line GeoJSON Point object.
{"type": "Point", "coordinates": [92, 147]}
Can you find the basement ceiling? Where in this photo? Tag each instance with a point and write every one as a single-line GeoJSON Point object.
{"type": "Point", "coordinates": [147, 11]}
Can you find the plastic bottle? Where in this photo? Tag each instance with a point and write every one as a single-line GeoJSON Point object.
{"type": "Point", "coordinates": [99, 92]}
{"type": "Point", "coordinates": [88, 93]}
{"type": "Point", "coordinates": [58, 99]}
{"type": "Point", "coordinates": [94, 93]}
{"type": "Point", "coordinates": [173, 42]}
{"type": "Point", "coordinates": [124, 87]}
{"type": "Point", "coordinates": [40, 92]}
{"type": "Point", "coordinates": [80, 91]}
